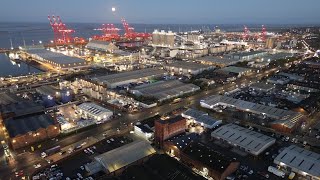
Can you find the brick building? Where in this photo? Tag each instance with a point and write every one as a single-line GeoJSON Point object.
{"type": "Point", "coordinates": [30, 129]}
{"type": "Point", "coordinates": [165, 129]}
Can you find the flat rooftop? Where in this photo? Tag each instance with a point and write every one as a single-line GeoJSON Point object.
{"type": "Point", "coordinates": [235, 69]}
{"type": "Point", "coordinates": [165, 89]}
{"type": "Point", "coordinates": [55, 57]}
{"type": "Point", "coordinates": [130, 75]}
{"type": "Point", "coordinates": [247, 53]}
{"type": "Point", "coordinates": [243, 137]}
{"type": "Point", "coordinates": [165, 167]}
{"type": "Point", "coordinates": [171, 120]}
{"type": "Point", "coordinates": [264, 86]}
{"type": "Point", "coordinates": [300, 159]}
{"type": "Point", "coordinates": [218, 60]}
{"type": "Point", "coordinates": [276, 56]}
{"type": "Point", "coordinates": [188, 65]}
{"type": "Point", "coordinates": [206, 155]}
{"type": "Point", "coordinates": [183, 140]}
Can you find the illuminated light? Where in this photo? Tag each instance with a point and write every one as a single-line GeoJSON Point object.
{"type": "Point", "coordinates": [113, 9]}
{"type": "Point", "coordinates": [14, 141]}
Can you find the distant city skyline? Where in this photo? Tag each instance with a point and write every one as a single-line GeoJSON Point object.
{"type": "Point", "coordinates": [165, 11]}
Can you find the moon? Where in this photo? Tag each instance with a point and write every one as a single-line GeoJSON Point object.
{"type": "Point", "coordinates": [113, 9]}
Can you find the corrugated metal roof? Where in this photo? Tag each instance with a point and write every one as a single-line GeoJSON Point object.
{"type": "Point", "coordinates": [300, 159]}
{"type": "Point", "coordinates": [125, 155]}
{"type": "Point", "coordinates": [23, 125]}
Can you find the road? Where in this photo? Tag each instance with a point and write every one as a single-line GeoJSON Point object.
{"type": "Point", "coordinates": [27, 159]}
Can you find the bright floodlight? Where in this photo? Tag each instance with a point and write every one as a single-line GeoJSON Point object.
{"type": "Point", "coordinates": [113, 9]}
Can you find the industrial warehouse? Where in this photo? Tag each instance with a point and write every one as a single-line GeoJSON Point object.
{"type": "Point", "coordinates": [124, 78]}
{"type": "Point", "coordinates": [91, 110]}
{"type": "Point", "coordinates": [101, 46]}
{"type": "Point", "coordinates": [30, 129]}
{"type": "Point", "coordinates": [186, 68]}
{"type": "Point", "coordinates": [117, 159]}
{"type": "Point", "coordinates": [285, 120]}
{"type": "Point", "coordinates": [201, 118]}
{"type": "Point", "coordinates": [247, 55]}
{"type": "Point", "coordinates": [163, 90]}
{"type": "Point", "coordinates": [239, 71]}
{"type": "Point", "coordinates": [57, 60]}
{"type": "Point", "coordinates": [301, 161]}
{"type": "Point", "coordinates": [253, 142]}
{"type": "Point", "coordinates": [217, 61]}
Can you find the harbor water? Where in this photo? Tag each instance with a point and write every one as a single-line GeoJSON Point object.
{"type": "Point", "coordinates": [14, 68]}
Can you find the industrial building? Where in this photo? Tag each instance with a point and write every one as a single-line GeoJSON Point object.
{"type": "Point", "coordinates": [94, 111]}
{"type": "Point", "coordinates": [247, 55]}
{"type": "Point", "coordinates": [104, 46]}
{"type": "Point", "coordinates": [8, 98]}
{"type": "Point", "coordinates": [300, 161]}
{"type": "Point", "coordinates": [143, 131]}
{"type": "Point", "coordinates": [186, 68]}
{"type": "Point", "coordinates": [30, 129]}
{"type": "Point", "coordinates": [262, 87]}
{"type": "Point", "coordinates": [286, 120]}
{"type": "Point", "coordinates": [165, 129]}
{"type": "Point", "coordinates": [163, 90]}
{"type": "Point", "coordinates": [250, 141]}
{"type": "Point", "coordinates": [217, 61]}
{"type": "Point", "coordinates": [20, 108]}
{"type": "Point", "coordinates": [222, 48]}
{"type": "Point", "coordinates": [277, 79]}
{"type": "Point", "coordinates": [202, 118]}
{"type": "Point", "coordinates": [57, 60]}
{"type": "Point", "coordinates": [207, 161]}
{"type": "Point", "coordinates": [240, 71]}
{"type": "Point", "coordinates": [124, 78]}
{"type": "Point", "coordinates": [162, 38]}
{"type": "Point", "coordinates": [293, 77]}
{"type": "Point", "coordinates": [117, 159]}
{"type": "Point", "coordinates": [52, 94]}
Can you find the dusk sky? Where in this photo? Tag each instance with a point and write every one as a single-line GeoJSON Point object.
{"type": "Point", "coordinates": [165, 11]}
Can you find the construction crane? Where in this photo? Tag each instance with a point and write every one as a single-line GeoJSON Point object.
{"type": "Point", "coordinates": [130, 34]}
{"type": "Point", "coordinates": [62, 35]}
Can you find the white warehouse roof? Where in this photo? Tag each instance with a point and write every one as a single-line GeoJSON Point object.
{"type": "Point", "coordinates": [165, 89]}
{"type": "Point", "coordinates": [130, 76]}
{"type": "Point", "coordinates": [301, 161]}
{"type": "Point", "coordinates": [201, 117]}
{"type": "Point", "coordinates": [251, 141]}
{"type": "Point", "coordinates": [285, 117]}
{"type": "Point", "coordinates": [125, 155]}
{"type": "Point", "coordinates": [94, 109]}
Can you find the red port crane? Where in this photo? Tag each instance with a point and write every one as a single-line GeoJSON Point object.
{"type": "Point", "coordinates": [110, 33]}
{"type": "Point", "coordinates": [62, 35]}
{"type": "Point", "coordinates": [130, 34]}
{"type": "Point", "coordinates": [263, 33]}
{"type": "Point", "coordinates": [245, 33]}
